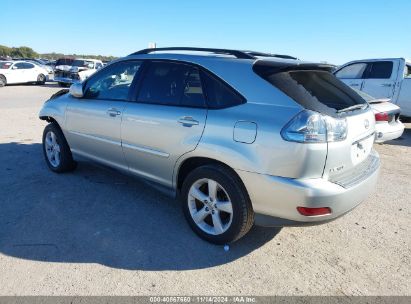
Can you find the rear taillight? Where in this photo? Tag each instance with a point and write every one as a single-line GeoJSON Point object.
{"type": "Point", "coordinates": [314, 211]}
{"type": "Point", "coordinates": [313, 127]}
{"type": "Point", "coordinates": [381, 116]}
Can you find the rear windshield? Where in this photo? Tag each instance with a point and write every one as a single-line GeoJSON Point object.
{"type": "Point", "coordinates": [314, 89]}
{"type": "Point", "coordinates": [82, 63]}
{"type": "Point", "coordinates": [64, 61]}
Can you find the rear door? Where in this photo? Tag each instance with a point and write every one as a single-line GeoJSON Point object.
{"type": "Point", "coordinates": [93, 123]}
{"type": "Point", "coordinates": [30, 72]}
{"type": "Point", "coordinates": [404, 96]}
{"type": "Point", "coordinates": [380, 78]}
{"type": "Point", "coordinates": [352, 74]}
{"type": "Point", "coordinates": [165, 121]}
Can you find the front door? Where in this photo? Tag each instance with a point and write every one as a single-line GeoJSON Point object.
{"type": "Point", "coordinates": [352, 75]}
{"type": "Point", "coordinates": [17, 73]}
{"type": "Point", "coordinates": [166, 121]}
{"type": "Point", "coordinates": [93, 123]}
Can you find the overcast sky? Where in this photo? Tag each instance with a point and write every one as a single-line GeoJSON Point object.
{"type": "Point", "coordinates": [334, 31]}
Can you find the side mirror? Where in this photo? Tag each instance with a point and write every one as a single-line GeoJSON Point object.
{"type": "Point", "coordinates": [14, 68]}
{"type": "Point", "coordinates": [76, 90]}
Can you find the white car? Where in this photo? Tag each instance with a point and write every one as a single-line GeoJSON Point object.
{"type": "Point", "coordinates": [80, 70]}
{"type": "Point", "coordinates": [387, 118]}
{"type": "Point", "coordinates": [12, 72]}
{"type": "Point", "coordinates": [381, 78]}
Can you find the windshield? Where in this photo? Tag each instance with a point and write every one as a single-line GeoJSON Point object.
{"type": "Point", "coordinates": [64, 61]}
{"type": "Point", "coordinates": [316, 90]}
{"type": "Point", "coordinates": [4, 65]}
{"type": "Point", "coordinates": [83, 63]}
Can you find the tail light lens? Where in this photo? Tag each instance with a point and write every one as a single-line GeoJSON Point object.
{"type": "Point", "coordinates": [313, 127]}
{"type": "Point", "coordinates": [314, 211]}
{"type": "Point", "coordinates": [381, 116]}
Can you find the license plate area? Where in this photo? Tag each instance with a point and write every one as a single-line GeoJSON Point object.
{"type": "Point", "coordinates": [360, 149]}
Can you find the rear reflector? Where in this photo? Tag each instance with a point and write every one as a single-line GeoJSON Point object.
{"type": "Point", "coordinates": [381, 117]}
{"type": "Point", "coordinates": [314, 211]}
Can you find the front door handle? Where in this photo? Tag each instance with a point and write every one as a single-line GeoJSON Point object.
{"type": "Point", "coordinates": [354, 84]}
{"type": "Point", "coordinates": [113, 112]}
{"type": "Point", "coordinates": [188, 121]}
{"type": "Point", "coordinates": [386, 84]}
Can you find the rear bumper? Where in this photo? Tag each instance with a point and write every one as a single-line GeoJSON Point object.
{"type": "Point", "coordinates": [275, 199]}
{"type": "Point", "coordinates": [386, 131]}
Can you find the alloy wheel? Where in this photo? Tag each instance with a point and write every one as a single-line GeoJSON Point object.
{"type": "Point", "coordinates": [52, 149]}
{"type": "Point", "coordinates": [210, 206]}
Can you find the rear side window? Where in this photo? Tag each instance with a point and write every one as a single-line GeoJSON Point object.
{"type": "Point", "coordinates": [380, 70]}
{"type": "Point", "coordinates": [220, 95]}
{"type": "Point", "coordinates": [315, 90]}
{"type": "Point", "coordinates": [407, 72]}
{"type": "Point", "coordinates": [172, 84]}
{"type": "Point", "coordinates": [352, 71]}
{"type": "Point", "coordinates": [28, 66]}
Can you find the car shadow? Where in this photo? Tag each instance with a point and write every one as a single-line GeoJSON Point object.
{"type": "Point", "coordinates": [96, 215]}
{"type": "Point", "coordinates": [48, 84]}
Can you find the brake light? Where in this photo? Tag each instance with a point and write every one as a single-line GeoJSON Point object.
{"type": "Point", "coordinates": [381, 116]}
{"type": "Point", "coordinates": [313, 127]}
{"type": "Point", "coordinates": [314, 211]}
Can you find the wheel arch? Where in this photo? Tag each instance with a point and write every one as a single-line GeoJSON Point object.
{"type": "Point", "coordinates": [190, 163]}
{"type": "Point", "coordinates": [54, 111]}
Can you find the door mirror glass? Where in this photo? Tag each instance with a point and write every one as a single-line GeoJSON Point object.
{"type": "Point", "coordinates": [76, 90]}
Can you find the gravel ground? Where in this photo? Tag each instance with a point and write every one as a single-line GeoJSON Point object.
{"type": "Point", "coordinates": [96, 232]}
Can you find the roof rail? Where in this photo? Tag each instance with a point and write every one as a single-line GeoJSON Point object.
{"type": "Point", "coordinates": [261, 54]}
{"type": "Point", "coordinates": [238, 54]}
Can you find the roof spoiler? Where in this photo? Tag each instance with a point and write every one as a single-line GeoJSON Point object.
{"type": "Point", "coordinates": [263, 67]}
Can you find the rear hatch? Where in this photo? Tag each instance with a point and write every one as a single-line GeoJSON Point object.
{"type": "Point", "coordinates": [317, 90]}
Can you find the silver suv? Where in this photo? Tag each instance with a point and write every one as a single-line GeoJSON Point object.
{"type": "Point", "coordinates": [239, 137]}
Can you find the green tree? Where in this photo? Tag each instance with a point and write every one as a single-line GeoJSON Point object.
{"type": "Point", "coordinates": [5, 51]}
{"type": "Point", "coordinates": [24, 52]}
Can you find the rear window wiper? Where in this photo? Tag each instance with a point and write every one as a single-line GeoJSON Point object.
{"type": "Point", "coordinates": [354, 107]}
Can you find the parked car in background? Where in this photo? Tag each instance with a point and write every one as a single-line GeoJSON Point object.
{"type": "Point", "coordinates": [381, 78]}
{"type": "Point", "coordinates": [41, 64]}
{"type": "Point", "coordinates": [12, 72]}
{"type": "Point", "coordinates": [80, 70]}
{"type": "Point", "coordinates": [51, 64]}
{"type": "Point", "coordinates": [387, 118]}
{"type": "Point", "coordinates": [240, 139]}
{"type": "Point", "coordinates": [61, 68]}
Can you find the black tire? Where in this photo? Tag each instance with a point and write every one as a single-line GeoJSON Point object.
{"type": "Point", "coordinates": [66, 162]}
{"type": "Point", "coordinates": [243, 214]}
{"type": "Point", "coordinates": [3, 81]}
{"type": "Point", "coordinates": [41, 79]}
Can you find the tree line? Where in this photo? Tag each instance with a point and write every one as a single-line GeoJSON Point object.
{"type": "Point", "coordinates": [27, 52]}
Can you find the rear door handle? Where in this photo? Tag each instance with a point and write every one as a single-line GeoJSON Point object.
{"type": "Point", "coordinates": [113, 112]}
{"type": "Point", "coordinates": [188, 121]}
{"type": "Point", "coordinates": [354, 84]}
{"type": "Point", "coordinates": [386, 84]}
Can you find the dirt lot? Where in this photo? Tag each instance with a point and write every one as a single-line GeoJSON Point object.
{"type": "Point", "coordinates": [96, 232]}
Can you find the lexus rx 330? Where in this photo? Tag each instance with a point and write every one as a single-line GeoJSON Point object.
{"type": "Point", "coordinates": [239, 137]}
